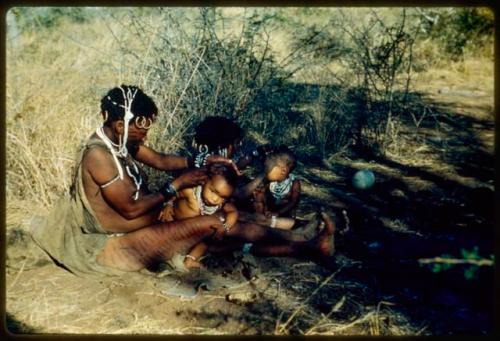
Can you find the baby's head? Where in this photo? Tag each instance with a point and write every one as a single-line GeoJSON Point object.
{"type": "Point", "coordinates": [220, 184]}
{"type": "Point", "coordinates": [279, 164]}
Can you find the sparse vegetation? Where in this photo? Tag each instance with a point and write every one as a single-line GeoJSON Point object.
{"type": "Point", "coordinates": [407, 93]}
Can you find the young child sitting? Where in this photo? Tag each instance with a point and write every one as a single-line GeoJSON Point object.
{"type": "Point", "coordinates": [281, 193]}
{"type": "Point", "coordinates": [210, 198]}
{"type": "Point", "coordinates": [275, 192]}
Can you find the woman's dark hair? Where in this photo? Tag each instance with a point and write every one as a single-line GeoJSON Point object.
{"type": "Point", "coordinates": [112, 103]}
{"type": "Point", "coordinates": [220, 168]}
{"type": "Point", "coordinates": [217, 132]}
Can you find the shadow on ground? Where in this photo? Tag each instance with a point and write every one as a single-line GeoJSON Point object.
{"type": "Point", "coordinates": [397, 222]}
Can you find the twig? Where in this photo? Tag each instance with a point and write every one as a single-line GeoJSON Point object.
{"type": "Point", "coordinates": [478, 262]}
{"type": "Point", "coordinates": [334, 309]}
{"type": "Point", "coordinates": [18, 274]}
{"type": "Point", "coordinates": [189, 81]}
{"type": "Point", "coordinates": [353, 323]}
{"type": "Point", "coordinates": [153, 294]}
{"type": "Point", "coordinates": [283, 327]}
{"type": "Point", "coordinates": [377, 326]}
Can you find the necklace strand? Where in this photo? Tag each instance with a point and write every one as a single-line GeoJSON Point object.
{"type": "Point", "coordinates": [137, 180]}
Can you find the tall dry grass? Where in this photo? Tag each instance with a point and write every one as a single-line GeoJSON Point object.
{"type": "Point", "coordinates": [55, 79]}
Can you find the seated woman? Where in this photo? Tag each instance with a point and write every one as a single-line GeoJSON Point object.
{"type": "Point", "coordinates": [211, 198]}
{"type": "Point", "coordinates": [109, 224]}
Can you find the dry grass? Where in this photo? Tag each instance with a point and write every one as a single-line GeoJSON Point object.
{"type": "Point", "coordinates": [54, 84]}
{"type": "Point", "coordinates": [53, 105]}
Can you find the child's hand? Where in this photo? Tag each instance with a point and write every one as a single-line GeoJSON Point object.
{"type": "Point", "coordinates": [219, 228]}
{"type": "Point", "coordinates": [220, 231]}
{"type": "Point", "coordinates": [269, 214]}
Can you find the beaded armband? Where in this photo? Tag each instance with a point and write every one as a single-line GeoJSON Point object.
{"type": "Point", "coordinates": [168, 191]}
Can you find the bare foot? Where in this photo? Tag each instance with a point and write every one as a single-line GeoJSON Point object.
{"type": "Point", "coordinates": [310, 230]}
{"type": "Point", "coordinates": [325, 241]}
{"type": "Point", "coordinates": [192, 264]}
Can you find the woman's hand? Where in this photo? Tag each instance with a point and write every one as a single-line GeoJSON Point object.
{"type": "Point", "coordinates": [190, 178]}
{"type": "Point", "coordinates": [221, 159]}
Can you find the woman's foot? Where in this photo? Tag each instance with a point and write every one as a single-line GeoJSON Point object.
{"type": "Point", "coordinates": [324, 242]}
{"type": "Point", "coordinates": [310, 230]}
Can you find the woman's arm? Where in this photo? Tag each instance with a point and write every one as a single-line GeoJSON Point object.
{"type": "Point", "coordinates": [118, 194]}
{"type": "Point", "coordinates": [160, 161]}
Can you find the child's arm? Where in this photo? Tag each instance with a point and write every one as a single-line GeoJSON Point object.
{"type": "Point", "coordinates": [294, 199]}
{"type": "Point", "coordinates": [259, 197]}
{"type": "Point", "coordinates": [247, 190]}
{"type": "Point", "coordinates": [231, 214]}
{"type": "Point", "coordinates": [186, 205]}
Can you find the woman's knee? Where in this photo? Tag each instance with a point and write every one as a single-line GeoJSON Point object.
{"type": "Point", "coordinates": [115, 255]}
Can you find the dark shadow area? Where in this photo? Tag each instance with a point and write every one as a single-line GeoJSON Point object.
{"type": "Point", "coordinates": [445, 217]}
{"type": "Point", "coordinates": [17, 327]}
{"type": "Point", "coordinates": [346, 114]}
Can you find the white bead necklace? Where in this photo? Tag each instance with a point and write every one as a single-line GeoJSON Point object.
{"type": "Point", "coordinates": [204, 208]}
{"type": "Point", "coordinates": [117, 154]}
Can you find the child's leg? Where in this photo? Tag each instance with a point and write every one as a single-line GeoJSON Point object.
{"type": "Point", "coordinates": [284, 223]}
{"type": "Point", "coordinates": [192, 259]}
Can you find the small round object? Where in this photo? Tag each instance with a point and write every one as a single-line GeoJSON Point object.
{"type": "Point", "coordinates": [363, 179]}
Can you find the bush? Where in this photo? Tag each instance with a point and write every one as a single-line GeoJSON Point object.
{"type": "Point", "coordinates": [34, 18]}
{"type": "Point", "coordinates": [460, 30]}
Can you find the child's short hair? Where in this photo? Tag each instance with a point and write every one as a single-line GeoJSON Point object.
{"type": "Point", "coordinates": [281, 154]}
{"type": "Point", "coordinates": [228, 172]}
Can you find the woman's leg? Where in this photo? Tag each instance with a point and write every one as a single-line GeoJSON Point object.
{"type": "Point", "coordinates": [252, 232]}
{"type": "Point", "coordinates": [144, 247]}
{"type": "Point", "coordinates": [322, 245]}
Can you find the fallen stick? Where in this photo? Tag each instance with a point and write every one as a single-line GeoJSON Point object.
{"type": "Point", "coordinates": [478, 262]}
